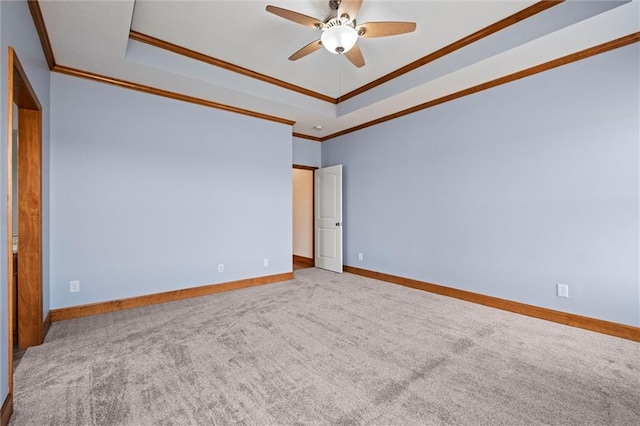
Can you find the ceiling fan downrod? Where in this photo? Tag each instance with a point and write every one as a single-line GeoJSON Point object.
{"type": "Point", "coordinates": [334, 4]}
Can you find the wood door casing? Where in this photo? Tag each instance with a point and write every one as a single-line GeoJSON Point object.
{"type": "Point", "coordinates": [30, 299]}
{"type": "Point", "coordinates": [29, 229]}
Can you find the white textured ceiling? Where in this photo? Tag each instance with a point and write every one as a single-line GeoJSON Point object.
{"type": "Point", "coordinates": [94, 36]}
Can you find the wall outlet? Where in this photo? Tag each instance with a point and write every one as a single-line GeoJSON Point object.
{"type": "Point", "coordinates": [220, 267]}
{"type": "Point", "coordinates": [74, 286]}
{"type": "Point", "coordinates": [265, 262]}
{"type": "Point", "coordinates": [563, 290]}
{"type": "Point", "coordinates": [360, 257]}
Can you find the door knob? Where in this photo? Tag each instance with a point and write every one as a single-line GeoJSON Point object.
{"type": "Point", "coordinates": [338, 224]}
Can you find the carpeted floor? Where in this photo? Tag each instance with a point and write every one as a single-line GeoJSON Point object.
{"type": "Point", "coordinates": [325, 349]}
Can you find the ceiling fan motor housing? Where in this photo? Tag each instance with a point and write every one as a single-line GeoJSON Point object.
{"type": "Point", "coordinates": [339, 35]}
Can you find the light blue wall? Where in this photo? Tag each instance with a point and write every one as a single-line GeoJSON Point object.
{"type": "Point", "coordinates": [151, 194]}
{"type": "Point", "coordinates": [509, 191]}
{"type": "Point", "coordinates": [18, 31]}
{"type": "Point", "coordinates": [307, 152]}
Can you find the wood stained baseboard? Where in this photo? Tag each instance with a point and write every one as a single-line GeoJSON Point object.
{"type": "Point", "coordinates": [592, 324]}
{"type": "Point", "coordinates": [303, 260]}
{"type": "Point", "coordinates": [7, 410]}
{"type": "Point", "coordinates": [169, 296]}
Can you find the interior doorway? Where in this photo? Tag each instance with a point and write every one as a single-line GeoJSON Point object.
{"type": "Point", "coordinates": [303, 217]}
{"type": "Point", "coordinates": [25, 287]}
{"type": "Point", "coordinates": [328, 216]}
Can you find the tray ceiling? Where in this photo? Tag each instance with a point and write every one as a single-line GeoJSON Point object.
{"type": "Point", "coordinates": [235, 50]}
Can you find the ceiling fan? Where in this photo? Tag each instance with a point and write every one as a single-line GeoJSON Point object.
{"type": "Point", "coordinates": [340, 32]}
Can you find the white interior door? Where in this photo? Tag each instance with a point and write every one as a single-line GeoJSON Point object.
{"type": "Point", "coordinates": [328, 211]}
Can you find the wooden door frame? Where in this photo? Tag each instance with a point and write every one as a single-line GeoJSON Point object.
{"type": "Point", "coordinates": [30, 310]}
{"type": "Point", "coordinates": [313, 209]}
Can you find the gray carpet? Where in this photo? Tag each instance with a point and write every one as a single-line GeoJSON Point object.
{"type": "Point", "coordinates": [326, 349]}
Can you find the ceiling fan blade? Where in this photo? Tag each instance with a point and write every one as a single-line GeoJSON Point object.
{"type": "Point", "coordinates": [355, 56]}
{"type": "Point", "coordinates": [309, 48]}
{"type": "Point", "coordinates": [349, 7]}
{"type": "Point", "coordinates": [296, 17]}
{"type": "Point", "coordinates": [383, 29]}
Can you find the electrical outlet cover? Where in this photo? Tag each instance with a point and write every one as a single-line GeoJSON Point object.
{"type": "Point", "coordinates": [563, 290]}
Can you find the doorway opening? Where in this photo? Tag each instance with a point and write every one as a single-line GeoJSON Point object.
{"type": "Point", "coordinates": [25, 287]}
{"type": "Point", "coordinates": [303, 217]}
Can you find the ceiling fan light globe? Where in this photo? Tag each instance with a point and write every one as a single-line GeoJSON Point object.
{"type": "Point", "coordinates": [339, 39]}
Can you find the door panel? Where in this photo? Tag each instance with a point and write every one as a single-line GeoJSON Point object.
{"type": "Point", "coordinates": [328, 243]}
{"type": "Point", "coordinates": [328, 211]}
{"type": "Point", "coordinates": [327, 196]}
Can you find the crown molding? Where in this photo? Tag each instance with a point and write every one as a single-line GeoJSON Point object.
{"type": "Point", "coordinates": [303, 136]}
{"type": "Point", "coordinates": [530, 11]}
{"type": "Point", "coordinates": [573, 57]}
{"type": "Point", "coordinates": [162, 44]}
{"type": "Point", "coordinates": [41, 28]}
{"type": "Point", "coordinates": [167, 94]}
{"type": "Point", "coordinates": [504, 23]}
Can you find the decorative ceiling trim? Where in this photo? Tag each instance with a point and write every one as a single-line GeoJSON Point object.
{"type": "Point", "coordinates": [528, 12]}
{"type": "Point", "coordinates": [156, 42]}
{"type": "Point", "coordinates": [542, 5]}
{"type": "Point", "coordinates": [573, 57]}
{"type": "Point", "coordinates": [167, 94]}
{"type": "Point", "coordinates": [303, 136]}
{"type": "Point", "coordinates": [41, 28]}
